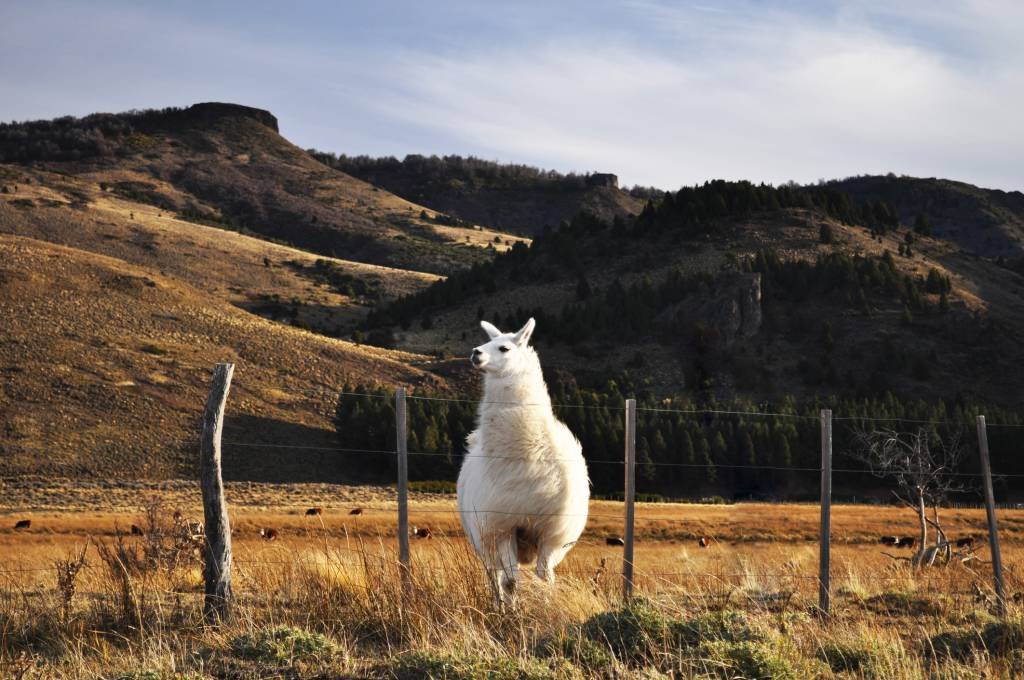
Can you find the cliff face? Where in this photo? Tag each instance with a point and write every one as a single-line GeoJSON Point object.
{"type": "Point", "coordinates": [734, 310]}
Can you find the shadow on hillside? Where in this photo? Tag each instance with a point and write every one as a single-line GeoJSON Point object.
{"type": "Point", "coordinates": [257, 449]}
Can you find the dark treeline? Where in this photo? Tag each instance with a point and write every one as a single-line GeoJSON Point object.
{"type": "Point", "coordinates": [449, 172]}
{"type": "Point", "coordinates": [682, 455]}
{"type": "Point", "coordinates": [104, 134]}
{"type": "Point", "coordinates": [460, 172]}
{"type": "Point", "coordinates": [694, 209]}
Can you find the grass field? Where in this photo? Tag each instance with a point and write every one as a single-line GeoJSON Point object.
{"type": "Point", "coordinates": [324, 598]}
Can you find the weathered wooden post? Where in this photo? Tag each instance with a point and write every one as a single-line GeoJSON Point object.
{"type": "Point", "coordinates": [217, 555]}
{"type": "Point", "coordinates": [990, 512]}
{"type": "Point", "coordinates": [627, 559]}
{"type": "Point", "coordinates": [824, 554]}
{"type": "Point", "coordinates": [401, 438]}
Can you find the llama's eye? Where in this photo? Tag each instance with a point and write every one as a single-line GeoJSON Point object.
{"type": "Point", "coordinates": [504, 349]}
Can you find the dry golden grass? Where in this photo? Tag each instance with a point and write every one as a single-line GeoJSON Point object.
{"type": "Point", "coordinates": [337, 575]}
{"type": "Point", "coordinates": [101, 348]}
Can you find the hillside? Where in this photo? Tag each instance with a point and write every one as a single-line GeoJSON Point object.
{"type": "Point", "coordinates": [139, 249]}
{"type": "Point", "coordinates": [105, 368]}
{"type": "Point", "coordinates": [226, 165]}
{"type": "Point", "coordinates": [274, 280]}
{"type": "Point", "coordinates": [986, 222]}
{"type": "Point", "coordinates": [515, 198]}
{"type": "Point", "coordinates": [728, 291]}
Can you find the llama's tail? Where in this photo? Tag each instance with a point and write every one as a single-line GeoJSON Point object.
{"type": "Point", "coordinates": [526, 545]}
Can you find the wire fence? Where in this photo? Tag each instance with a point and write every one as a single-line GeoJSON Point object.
{"type": "Point", "coordinates": [694, 527]}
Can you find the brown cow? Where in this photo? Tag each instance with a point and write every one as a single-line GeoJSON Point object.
{"type": "Point", "coordinates": [422, 532]}
{"type": "Point", "coordinates": [907, 542]}
{"type": "Point", "coordinates": [23, 524]}
{"type": "Point", "coordinates": [889, 540]}
{"type": "Point", "coordinates": [268, 534]}
{"type": "Point", "coordinates": [355, 511]}
{"type": "Point", "coordinates": [704, 541]}
{"type": "Point", "coordinates": [614, 540]}
{"type": "Point", "coordinates": [314, 512]}
{"type": "Point", "coordinates": [966, 542]}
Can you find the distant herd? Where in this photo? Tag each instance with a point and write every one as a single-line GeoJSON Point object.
{"type": "Point", "coordinates": [195, 529]}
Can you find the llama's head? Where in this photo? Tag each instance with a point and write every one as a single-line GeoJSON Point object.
{"type": "Point", "coordinates": [505, 352]}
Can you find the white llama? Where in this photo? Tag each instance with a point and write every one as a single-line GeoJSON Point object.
{"type": "Point", "coordinates": [523, 487]}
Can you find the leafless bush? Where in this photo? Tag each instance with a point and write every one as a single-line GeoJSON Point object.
{"type": "Point", "coordinates": [923, 466]}
{"type": "Point", "coordinates": [67, 578]}
{"type": "Point", "coordinates": [167, 547]}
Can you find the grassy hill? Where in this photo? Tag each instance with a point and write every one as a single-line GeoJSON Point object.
{"type": "Point", "coordinates": [141, 248]}
{"type": "Point", "coordinates": [105, 366]}
{"type": "Point", "coordinates": [516, 198]}
{"type": "Point", "coordinates": [226, 165]}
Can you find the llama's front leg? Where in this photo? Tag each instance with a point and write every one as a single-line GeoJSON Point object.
{"type": "Point", "coordinates": [546, 564]}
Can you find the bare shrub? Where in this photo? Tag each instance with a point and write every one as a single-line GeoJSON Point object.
{"type": "Point", "coordinates": [923, 467]}
{"type": "Point", "coordinates": [67, 579]}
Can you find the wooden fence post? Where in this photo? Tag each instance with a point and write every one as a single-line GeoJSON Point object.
{"type": "Point", "coordinates": [217, 527]}
{"type": "Point", "coordinates": [990, 512]}
{"type": "Point", "coordinates": [403, 485]}
{"type": "Point", "coordinates": [824, 554]}
{"type": "Point", "coordinates": [627, 559]}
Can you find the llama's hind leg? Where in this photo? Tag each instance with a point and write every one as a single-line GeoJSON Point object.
{"type": "Point", "coordinates": [548, 557]}
{"type": "Point", "coordinates": [508, 568]}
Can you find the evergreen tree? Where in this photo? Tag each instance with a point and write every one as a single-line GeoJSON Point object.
{"type": "Point", "coordinates": [747, 450]}
{"type": "Point", "coordinates": [583, 291]}
{"type": "Point", "coordinates": [825, 234]}
{"type": "Point", "coordinates": [922, 225]}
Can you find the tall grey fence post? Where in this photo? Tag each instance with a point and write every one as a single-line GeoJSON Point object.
{"type": "Point", "coordinates": [217, 553]}
{"type": "Point", "coordinates": [824, 554]}
{"type": "Point", "coordinates": [990, 512]}
{"type": "Point", "coordinates": [627, 559]}
{"type": "Point", "coordinates": [403, 484]}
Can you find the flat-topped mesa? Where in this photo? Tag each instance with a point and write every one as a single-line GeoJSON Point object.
{"type": "Point", "coordinates": [603, 179]}
{"type": "Point", "coordinates": [210, 111]}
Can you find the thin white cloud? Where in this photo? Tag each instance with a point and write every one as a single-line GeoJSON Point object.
{"type": "Point", "coordinates": [776, 97]}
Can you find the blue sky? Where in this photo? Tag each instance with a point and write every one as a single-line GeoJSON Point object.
{"type": "Point", "coordinates": [663, 93]}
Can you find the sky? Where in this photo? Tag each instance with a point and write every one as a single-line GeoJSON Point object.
{"type": "Point", "coordinates": [664, 94]}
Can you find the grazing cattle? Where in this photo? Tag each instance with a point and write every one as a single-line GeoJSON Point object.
{"type": "Point", "coordinates": [614, 540]}
{"type": "Point", "coordinates": [889, 540]}
{"type": "Point", "coordinates": [907, 542]}
{"type": "Point", "coordinates": [137, 530]}
{"type": "Point", "coordinates": [422, 532]}
{"type": "Point", "coordinates": [967, 542]}
{"type": "Point", "coordinates": [704, 541]}
{"type": "Point", "coordinates": [23, 524]}
{"type": "Point", "coordinates": [268, 534]}
{"type": "Point", "coordinates": [314, 511]}
{"type": "Point", "coordinates": [355, 511]}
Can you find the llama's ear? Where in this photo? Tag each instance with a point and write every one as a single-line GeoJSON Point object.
{"type": "Point", "coordinates": [491, 330]}
{"type": "Point", "coordinates": [523, 336]}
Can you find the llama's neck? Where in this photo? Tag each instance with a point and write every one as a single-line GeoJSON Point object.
{"type": "Point", "coordinates": [519, 388]}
